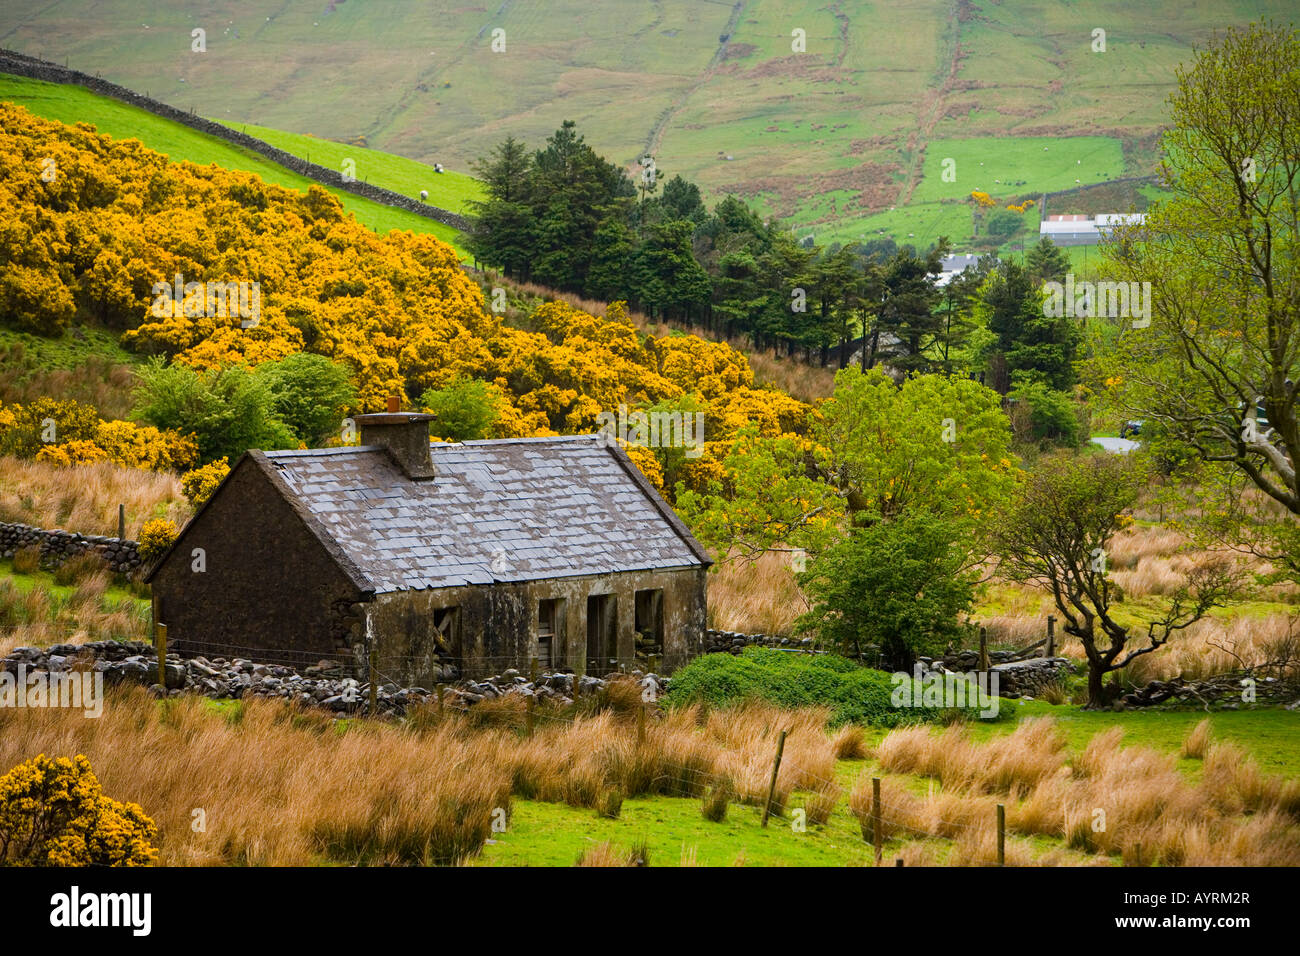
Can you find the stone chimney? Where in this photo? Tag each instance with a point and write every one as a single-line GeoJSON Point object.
{"type": "Point", "coordinates": [404, 434]}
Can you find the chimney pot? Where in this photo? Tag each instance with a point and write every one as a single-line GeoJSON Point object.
{"type": "Point", "coordinates": [394, 404]}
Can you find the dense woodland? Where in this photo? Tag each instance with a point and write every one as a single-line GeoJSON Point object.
{"type": "Point", "coordinates": [564, 216]}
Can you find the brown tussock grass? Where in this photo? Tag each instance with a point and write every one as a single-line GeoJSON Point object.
{"type": "Point", "coordinates": [1197, 740]}
{"type": "Point", "coordinates": [822, 803]}
{"type": "Point", "coordinates": [1112, 800]}
{"type": "Point", "coordinates": [755, 597]}
{"type": "Point", "coordinates": [85, 498]}
{"type": "Point", "coordinates": [1030, 753]}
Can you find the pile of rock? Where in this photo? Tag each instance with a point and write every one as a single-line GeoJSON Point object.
{"type": "Point", "coordinates": [556, 687]}
{"type": "Point", "coordinates": [733, 642]}
{"type": "Point", "coordinates": [1224, 691]}
{"type": "Point", "coordinates": [57, 546]}
{"type": "Point", "coordinates": [969, 660]}
{"type": "Point", "coordinates": [1030, 678]}
{"type": "Point", "coordinates": [323, 685]}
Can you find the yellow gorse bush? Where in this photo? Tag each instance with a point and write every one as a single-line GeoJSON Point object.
{"type": "Point", "coordinates": [200, 483]}
{"type": "Point", "coordinates": [54, 813]}
{"type": "Point", "coordinates": [397, 311]}
{"type": "Point", "coordinates": [156, 537]}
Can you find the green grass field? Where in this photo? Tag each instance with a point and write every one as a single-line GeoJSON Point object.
{"type": "Point", "coordinates": [879, 93]}
{"type": "Point", "coordinates": [448, 190]}
{"type": "Point", "coordinates": [74, 104]}
{"type": "Point", "coordinates": [673, 829]}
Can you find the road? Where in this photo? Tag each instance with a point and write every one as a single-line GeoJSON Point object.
{"type": "Point", "coordinates": [1119, 446]}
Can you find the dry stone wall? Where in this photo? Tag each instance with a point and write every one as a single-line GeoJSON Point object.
{"type": "Point", "coordinates": [57, 546]}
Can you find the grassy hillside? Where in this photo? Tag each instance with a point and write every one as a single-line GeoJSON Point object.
{"type": "Point", "coordinates": [74, 104]}
{"type": "Point", "coordinates": [830, 138]}
{"type": "Point", "coordinates": [447, 190]}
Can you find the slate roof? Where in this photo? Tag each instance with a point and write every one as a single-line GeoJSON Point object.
{"type": "Point", "coordinates": [506, 510]}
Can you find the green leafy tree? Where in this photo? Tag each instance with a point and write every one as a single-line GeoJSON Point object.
{"type": "Point", "coordinates": [936, 444]}
{"type": "Point", "coordinates": [1055, 534]}
{"type": "Point", "coordinates": [1218, 367]}
{"type": "Point", "coordinates": [1050, 415]}
{"type": "Point", "coordinates": [902, 586]}
{"type": "Point", "coordinates": [309, 393]}
{"type": "Point", "coordinates": [767, 501]}
{"type": "Point", "coordinates": [228, 410]}
{"type": "Point", "coordinates": [464, 411]}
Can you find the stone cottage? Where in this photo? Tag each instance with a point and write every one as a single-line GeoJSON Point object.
{"type": "Point", "coordinates": [476, 556]}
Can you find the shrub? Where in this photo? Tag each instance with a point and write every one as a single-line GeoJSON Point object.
{"type": "Point", "coordinates": [156, 537]}
{"type": "Point", "coordinates": [79, 567]}
{"type": "Point", "coordinates": [1052, 419]}
{"type": "Point", "coordinates": [900, 585]}
{"type": "Point", "coordinates": [714, 805]}
{"type": "Point", "coordinates": [27, 560]}
{"type": "Point", "coordinates": [53, 813]}
{"type": "Point", "coordinates": [228, 410]}
{"type": "Point", "coordinates": [610, 803]}
{"type": "Point", "coordinates": [44, 422]}
{"type": "Point", "coordinates": [853, 693]}
{"type": "Point", "coordinates": [309, 393]}
{"type": "Point", "coordinates": [465, 410]}
{"type": "Point", "coordinates": [200, 483]}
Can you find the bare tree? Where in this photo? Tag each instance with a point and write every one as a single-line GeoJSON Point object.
{"type": "Point", "coordinates": [1055, 535]}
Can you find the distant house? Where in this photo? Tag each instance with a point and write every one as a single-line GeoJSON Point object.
{"type": "Point", "coordinates": [953, 266]}
{"type": "Point", "coordinates": [477, 556]}
{"type": "Point", "coordinates": [1079, 230]}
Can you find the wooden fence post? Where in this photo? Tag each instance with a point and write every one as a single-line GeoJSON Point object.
{"type": "Point", "coordinates": [1051, 635]}
{"type": "Point", "coordinates": [528, 714]}
{"type": "Point", "coordinates": [121, 522]}
{"type": "Point", "coordinates": [877, 826]}
{"type": "Point", "coordinates": [771, 787]}
{"type": "Point", "coordinates": [532, 672]}
{"type": "Point", "coordinates": [640, 725]}
{"type": "Point", "coordinates": [1002, 835]}
{"type": "Point", "coordinates": [984, 649]}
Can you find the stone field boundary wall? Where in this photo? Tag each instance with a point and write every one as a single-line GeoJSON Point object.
{"type": "Point", "coordinates": [57, 546]}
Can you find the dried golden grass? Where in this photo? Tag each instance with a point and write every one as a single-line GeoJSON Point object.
{"type": "Point", "coordinates": [278, 787]}
{"type": "Point", "coordinates": [1113, 800]}
{"type": "Point", "coordinates": [1030, 753]}
{"type": "Point", "coordinates": [821, 803]}
{"type": "Point", "coordinates": [849, 743]}
{"type": "Point", "coordinates": [85, 498]}
{"type": "Point", "coordinates": [755, 597]}
{"type": "Point", "coordinates": [1197, 740]}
